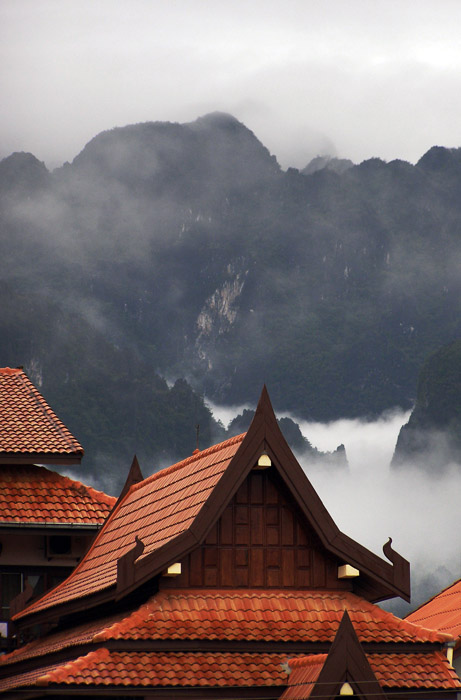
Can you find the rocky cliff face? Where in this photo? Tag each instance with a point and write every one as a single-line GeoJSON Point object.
{"type": "Point", "coordinates": [432, 437]}
{"type": "Point", "coordinates": [184, 251]}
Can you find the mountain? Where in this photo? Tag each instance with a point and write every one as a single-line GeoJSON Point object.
{"type": "Point", "coordinates": [337, 165]}
{"type": "Point", "coordinates": [432, 437]}
{"type": "Point", "coordinates": [183, 251]}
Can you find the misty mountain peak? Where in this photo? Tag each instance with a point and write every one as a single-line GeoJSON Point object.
{"type": "Point", "coordinates": [222, 120]}
{"type": "Point", "coordinates": [338, 165]}
{"type": "Point", "coordinates": [439, 159]}
{"type": "Point", "coordinates": [160, 157]}
{"type": "Point", "coordinates": [24, 171]}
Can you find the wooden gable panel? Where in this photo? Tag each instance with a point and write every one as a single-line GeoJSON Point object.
{"type": "Point", "coordinates": [261, 540]}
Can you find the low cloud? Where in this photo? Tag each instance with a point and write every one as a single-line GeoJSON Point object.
{"type": "Point", "coordinates": [416, 506]}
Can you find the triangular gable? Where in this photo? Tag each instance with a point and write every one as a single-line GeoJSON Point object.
{"type": "Point", "coordinates": [172, 512]}
{"type": "Point", "coordinates": [345, 670]}
{"type": "Point", "coordinates": [380, 579]}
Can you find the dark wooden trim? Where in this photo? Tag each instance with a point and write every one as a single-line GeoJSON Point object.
{"type": "Point", "coordinates": [346, 661]}
{"type": "Point", "coordinates": [134, 477]}
{"type": "Point", "coordinates": [41, 528]}
{"type": "Point", "coordinates": [62, 692]}
{"type": "Point", "coordinates": [39, 458]}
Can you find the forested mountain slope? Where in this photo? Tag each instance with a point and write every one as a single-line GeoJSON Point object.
{"type": "Point", "coordinates": [184, 251]}
{"type": "Point", "coordinates": [432, 437]}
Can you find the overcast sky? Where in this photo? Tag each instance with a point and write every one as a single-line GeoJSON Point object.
{"type": "Point", "coordinates": [355, 78]}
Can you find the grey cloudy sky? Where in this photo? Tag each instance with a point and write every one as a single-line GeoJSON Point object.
{"type": "Point", "coordinates": [355, 78]}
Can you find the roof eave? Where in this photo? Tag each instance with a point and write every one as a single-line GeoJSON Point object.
{"type": "Point", "coordinates": [45, 458]}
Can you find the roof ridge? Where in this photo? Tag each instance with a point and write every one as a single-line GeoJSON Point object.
{"type": "Point", "coordinates": [264, 592]}
{"type": "Point", "coordinates": [196, 455]}
{"type": "Point", "coordinates": [311, 659]}
{"type": "Point", "coordinates": [436, 595]}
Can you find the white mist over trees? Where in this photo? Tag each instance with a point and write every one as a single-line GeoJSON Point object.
{"type": "Point", "coordinates": [416, 505]}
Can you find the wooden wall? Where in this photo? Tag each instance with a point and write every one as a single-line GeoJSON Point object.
{"type": "Point", "coordinates": [261, 541]}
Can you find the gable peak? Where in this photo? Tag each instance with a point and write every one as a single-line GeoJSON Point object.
{"type": "Point", "coordinates": [134, 477]}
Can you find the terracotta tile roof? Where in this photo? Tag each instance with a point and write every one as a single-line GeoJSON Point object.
{"type": "Point", "coordinates": [266, 616]}
{"type": "Point", "coordinates": [215, 669]}
{"type": "Point", "coordinates": [33, 494]}
{"type": "Point", "coordinates": [156, 510]}
{"type": "Point", "coordinates": [304, 674]}
{"type": "Point", "coordinates": [58, 641]}
{"type": "Point", "coordinates": [27, 423]}
{"type": "Point", "coordinates": [196, 669]}
{"type": "Point", "coordinates": [442, 612]}
{"type": "Point", "coordinates": [415, 671]}
{"type": "Point", "coordinates": [282, 615]}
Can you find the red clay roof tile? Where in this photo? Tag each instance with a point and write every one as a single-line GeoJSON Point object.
{"type": "Point", "coordinates": [33, 494]}
{"type": "Point", "coordinates": [195, 669]}
{"type": "Point", "coordinates": [279, 615]}
{"type": "Point", "coordinates": [27, 423]}
{"type": "Point", "coordinates": [414, 670]}
{"type": "Point", "coordinates": [404, 670]}
{"type": "Point", "coordinates": [57, 641]}
{"type": "Point", "coordinates": [308, 616]}
{"type": "Point", "coordinates": [442, 612]}
{"type": "Point", "coordinates": [151, 669]}
{"type": "Point", "coordinates": [155, 516]}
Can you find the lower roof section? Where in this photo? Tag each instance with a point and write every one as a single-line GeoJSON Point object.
{"type": "Point", "coordinates": [257, 616]}
{"type": "Point", "coordinates": [31, 495]}
{"type": "Point", "coordinates": [104, 669]}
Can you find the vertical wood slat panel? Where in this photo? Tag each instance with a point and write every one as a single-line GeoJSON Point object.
{"type": "Point", "coordinates": [288, 568]}
{"type": "Point", "coordinates": [260, 540]}
{"type": "Point", "coordinates": [256, 578]}
{"type": "Point", "coordinates": [288, 535]}
{"type": "Point", "coordinates": [226, 567]}
{"type": "Point", "coordinates": [257, 525]}
{"type": "Point", "coordinates": [256, 488]}
{"type": "Point", "coordinates": [211, 577]}
{"type": "Point", "coordinates": [196, 567]}
{"type": "Point", "coordinates": [318, 577]}
{"type": "Point", "coordinates": [227, 526]}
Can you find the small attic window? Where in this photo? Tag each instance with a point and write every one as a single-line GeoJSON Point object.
{"type": "Point", "coordinates": [264, 461]}
{"type": "Point", "coordinates": [173, 570]}
{"type": "Point", "coordinates": [346, 690]}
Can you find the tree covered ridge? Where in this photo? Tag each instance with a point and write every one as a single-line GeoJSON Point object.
{"type": "Point", "coordinates": [184, 251]}
{"type": "Point", "coordinates": [432, 436]}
